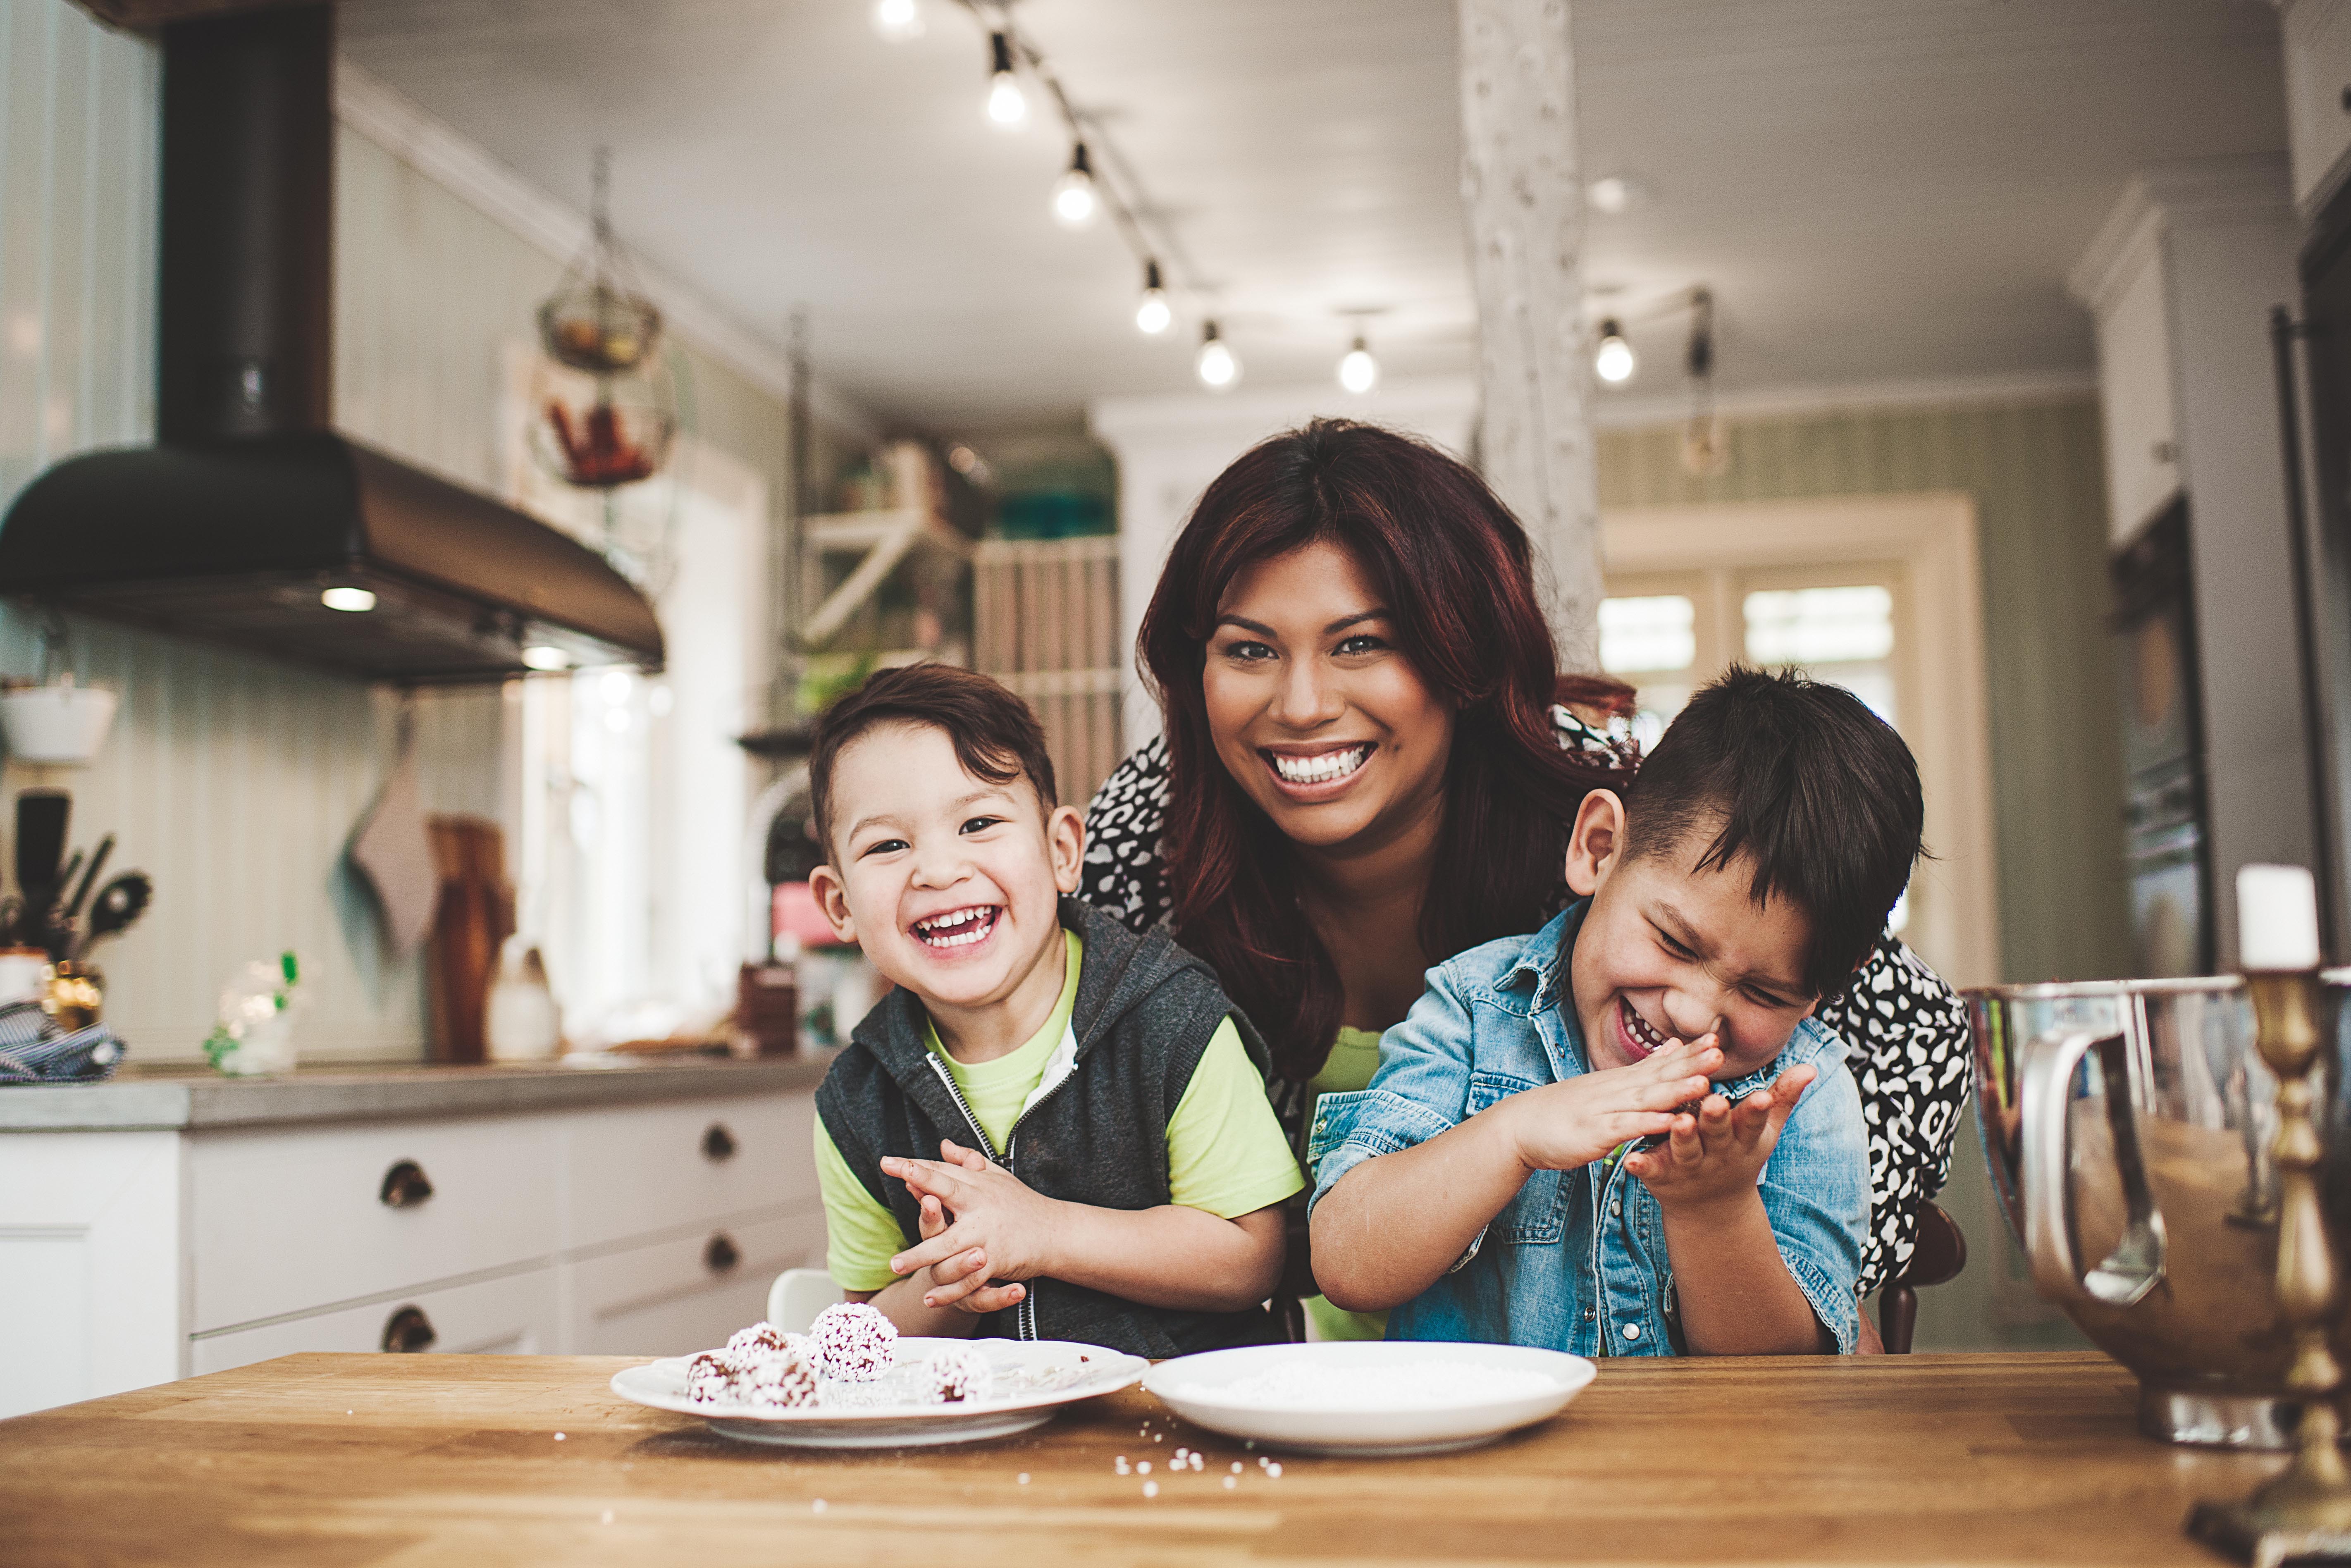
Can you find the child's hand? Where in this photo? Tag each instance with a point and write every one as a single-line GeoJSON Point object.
{"type": "Point", "coordinates": [1720, 1151]}
{"type": "Point", "coordinates": [960, 1281]}
{"type": "Point", "coordinates": [996, 1228]}
{"type": "Point", "coordinates": [1573, 1123]}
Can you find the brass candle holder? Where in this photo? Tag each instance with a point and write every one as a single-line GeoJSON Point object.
{"type": "Point", "coordinates": [2304, 1511]}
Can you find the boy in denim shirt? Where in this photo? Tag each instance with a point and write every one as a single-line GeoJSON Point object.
{"type": "Point", "coordinates": [1625, 1135]}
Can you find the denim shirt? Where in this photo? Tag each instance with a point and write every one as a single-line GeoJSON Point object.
{"type": "Point", "coordinates": [1577, 1260]}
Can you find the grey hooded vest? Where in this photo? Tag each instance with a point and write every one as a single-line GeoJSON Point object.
{"type": "Point", "coordinates": [1144, 1013]}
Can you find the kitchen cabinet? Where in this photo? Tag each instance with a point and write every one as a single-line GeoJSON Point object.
{"type": "Point", "coordinates": [2317, 38]}
{"type": "Point", "coordinates": [152, 1230]}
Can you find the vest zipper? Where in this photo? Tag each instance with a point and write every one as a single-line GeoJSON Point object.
{"type": "Point", "coordinates": [1024, 1316]}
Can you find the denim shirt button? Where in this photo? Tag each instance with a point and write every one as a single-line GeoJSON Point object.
{"type": "Point", "coordinates": [1632, 1330]}
{"type": "Point", "coordinates": [1616, 1206]}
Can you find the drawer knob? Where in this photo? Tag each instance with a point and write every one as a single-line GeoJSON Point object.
{"type": "Point", "coordinates": [404, 1185]}
{"type": "Point", "coordinates": [722, 1254]}
{"type": "Point", "coordinates": [717, 1144]}
{"type": "Point", "coordinates": [408, 1331]}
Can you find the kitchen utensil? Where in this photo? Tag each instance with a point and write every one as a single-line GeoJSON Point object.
{"type": "Point", "coordinates": [41, 819]}
{"type": "Point", "coordinates": [90, 877]}
{"type": "Point", "coordinates": [474, 915]}
{"type": "Point", "coordinates": [1033, 1379]}
{"type": "Point", "coordinates": [1371, 1397]}
{"type": "Point", "coordinates": [117, 905]}
{"type": "Point", "coordinates": [2128, 1126]}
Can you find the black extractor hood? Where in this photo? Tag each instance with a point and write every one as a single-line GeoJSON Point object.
{"type": "Point", "coordinates": [250, 519]}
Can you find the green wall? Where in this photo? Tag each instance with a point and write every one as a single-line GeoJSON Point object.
{"type": "Point", "coordinates": [2035, 470]}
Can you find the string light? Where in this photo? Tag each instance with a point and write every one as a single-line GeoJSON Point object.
{"type": "Point", "coordinates": [1358, 371]}
{"type": "Point", "coordinates": [1612, 361]}
{"type": "Point", "coordinates": [898, 21]}
{"type": "Point", "coordinates": [1152, 315]}
{"type": "Point", "coordinates": [1219, 368]}
{"type": "Point", "coordinates": [1007, 106]}
{"type": "Point", "coordinates": [1075, 203]}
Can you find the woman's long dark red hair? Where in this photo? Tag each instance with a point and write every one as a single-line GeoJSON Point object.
{"type": "Point", "coordinates": [1457, 573]}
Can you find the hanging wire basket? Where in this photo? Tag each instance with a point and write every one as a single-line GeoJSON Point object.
{"type": "Point", "coordinates": [603, 442]}
{"type": "Point", "coordinates": [590, 325]}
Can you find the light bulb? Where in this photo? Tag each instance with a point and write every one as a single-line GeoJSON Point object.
{"type": "Point", "coordinates": [898, 21]}
{"type": "Point", "coordinates": [1075, 201]}
{"type": "Point", "coordinates": [1612, 361]}
{"type": "Point", "coordinates": [1152, 315]}
{"type": "Point", "coordinates": [1007, 106]}
{"type": "Point", "coordinates": [1358, 371]}
{"type": "Point", "coordinates": [353, 600]}
{"type": "Point", "coordinates": [540, 656]}
{"type": "Point", "coordinates": [1217, 365]}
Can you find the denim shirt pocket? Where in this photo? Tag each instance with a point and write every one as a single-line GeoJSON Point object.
{"type": "Point", "coordinates": [1538, 1215]}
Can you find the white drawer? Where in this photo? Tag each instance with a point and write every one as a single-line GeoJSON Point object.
{"type": "Point", "coordinates": [648, 1170]}
{"type": "Point", "coordinates": [287, 1220]}
{"type": "Point", "coordinates": [667, 1300]}
{"type": "Point", "coordinates": [515, 1315]}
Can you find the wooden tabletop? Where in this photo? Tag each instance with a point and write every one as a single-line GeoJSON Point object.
{"type": "Point", "coordinates": [415, 1459]}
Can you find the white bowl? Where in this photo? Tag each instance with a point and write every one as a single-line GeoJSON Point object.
{"type": "Point", "coordinates": [57, 724]}
{"type": "Point", "coordinates": [1372, 1398]}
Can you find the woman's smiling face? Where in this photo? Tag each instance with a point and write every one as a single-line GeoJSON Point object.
{"type": "Point", "coordinates": [1315, 709]}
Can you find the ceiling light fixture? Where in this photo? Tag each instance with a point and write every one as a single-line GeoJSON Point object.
{"type": "Point", "coordinates": [1007, 106]}
{"type": "Point", "coordinates": [1358, 371]}
{"type": "Point", "coordinates": [1612, 361]}
{"type": "Point", "coordinates": [1219, 368]}
{"type": "Point", "coordinates": [540, 656]}
{"type": "Point", "coordinates": [898, 21]}
{"type": "Point", "coordinates": [1076, 204]}
{"type": "Point", "coordinates": [1153, 314]}
{"type": "Point", "coordinates": [354, 601]}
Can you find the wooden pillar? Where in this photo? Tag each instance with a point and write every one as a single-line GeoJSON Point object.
{"type": "Point", "coordinates": [1522, 195]}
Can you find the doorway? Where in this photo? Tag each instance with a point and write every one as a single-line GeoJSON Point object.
{"type": "Point", "coordinates": [1877, 594]}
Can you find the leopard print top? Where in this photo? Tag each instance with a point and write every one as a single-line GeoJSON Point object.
{"type": "Point", "coordinates": [1906, 1030]}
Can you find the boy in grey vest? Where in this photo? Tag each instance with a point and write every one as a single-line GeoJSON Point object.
{"type": "Point", "coordinates": [1052, 1128]}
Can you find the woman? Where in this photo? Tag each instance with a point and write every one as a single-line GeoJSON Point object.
{"type": "Point", "coordinates": [1370, 763]}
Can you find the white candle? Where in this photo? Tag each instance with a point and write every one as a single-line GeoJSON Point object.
{"type": "Point", "coordinates": [2277, 919]}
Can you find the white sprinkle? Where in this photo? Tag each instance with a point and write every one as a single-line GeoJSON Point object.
{"type": "Point", "coordinates": [1262, 1461]}
{"type": "Point", "coordinates": [1158, 1436]}
{"type": "Point", "coordinates": [558, 1436]}
{"type": "Point", "coordinates": [351, 1412]}
{"type": "Point", "coordinates": [1121, 1467]}
{"type": "Point", "coordinates": [1181, 1452]}
{"type": "Point", "coordinates": [1151, 1489]}
{"type": "Point", "coordinates": [817, 1507]}
{"type": "Point", "coordinates": [1143, 1468]}
{"type": "Point", "coordinates": [607, 1518]}
{"type": "Point", "coordinates": [1236, 1467]}
{"type": "Point", "coordinates": [1024, 1477]}
{"type": "Point", "coordinates": [1196, 1463]}
{"type": "Point", "coordinates": [1249, 1443]}
{"type": "Point", "coordinates": [1273, 1470]}
{"type": "Point", "coordinates": [1230, 1483]}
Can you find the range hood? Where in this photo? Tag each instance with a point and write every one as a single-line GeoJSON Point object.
{"type": "Point", "coordinates": [249, 508]}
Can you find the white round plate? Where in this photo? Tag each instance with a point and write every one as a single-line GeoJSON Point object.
{"type": "Point", "coordinates": [1034, 1378]}
{"type": "Point", "coordinates": [1360, 1412]}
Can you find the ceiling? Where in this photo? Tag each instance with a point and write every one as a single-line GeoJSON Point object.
{"type": "Point", "coordinates": [1875, 190]}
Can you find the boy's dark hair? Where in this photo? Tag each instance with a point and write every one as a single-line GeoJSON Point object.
{"type": "Point", "coordinates": [995, 735]}
{"type": "Point", "coordinates": [1817, 791]}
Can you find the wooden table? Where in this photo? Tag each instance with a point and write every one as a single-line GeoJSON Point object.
{"type": "Point", "coordinates": [349, 1459]}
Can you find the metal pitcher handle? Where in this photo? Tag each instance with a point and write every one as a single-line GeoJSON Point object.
{"type": "Point", "coordinates": [2136, 1266]}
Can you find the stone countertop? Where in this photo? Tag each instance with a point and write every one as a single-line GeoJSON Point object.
{"type": "Point", "coordinates": [190, 1100]}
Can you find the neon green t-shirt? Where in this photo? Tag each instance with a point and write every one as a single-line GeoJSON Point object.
{"type": "Point", "coordinates": [1355, 1057]}
{"type": "Point", "coordinates": [1225, 1153]}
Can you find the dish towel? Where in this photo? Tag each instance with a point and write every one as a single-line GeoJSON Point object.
{"type": "Point", "coordinates": [33, 1049]}
{"type": "Point", "coordinates": [395, 851]}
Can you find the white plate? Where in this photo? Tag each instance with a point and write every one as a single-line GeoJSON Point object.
{"type": "Point", "coordinates": [1357, 1420]}
{"type": "Point", "coordinates": [1055, 1373]}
